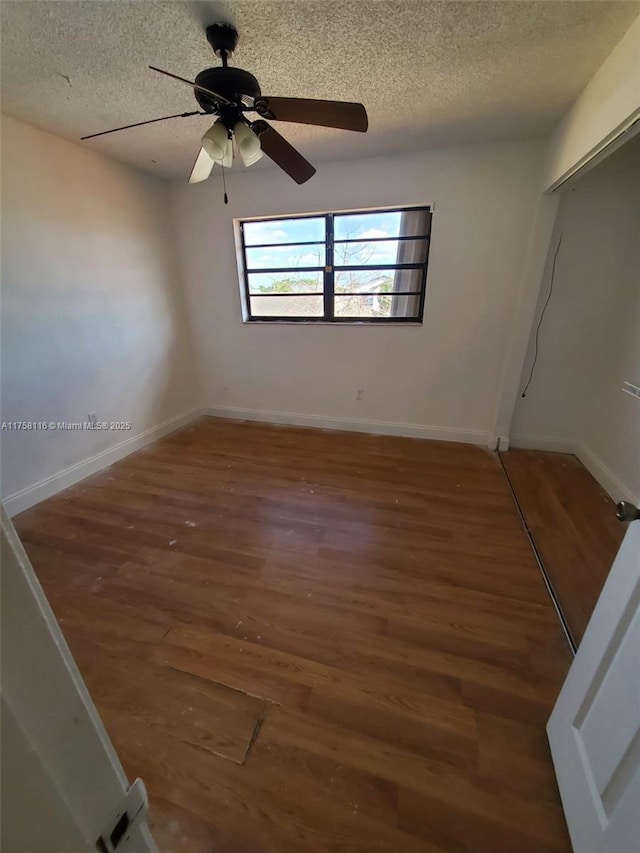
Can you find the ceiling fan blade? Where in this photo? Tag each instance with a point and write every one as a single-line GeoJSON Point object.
{"type": "Point", "coordinates": [202, 168]}
{"type": "Point", "coordinates": [140, 123]}
{"type": "Point", "coordinates": [341, 114]}
{"type": "Point", "coordinates": [282, 153]}
{"type": "Point", "coordinates": [193, 85]}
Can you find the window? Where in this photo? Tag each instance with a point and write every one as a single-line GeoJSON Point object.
{"type": "Point", "coordinates": [367, 267]}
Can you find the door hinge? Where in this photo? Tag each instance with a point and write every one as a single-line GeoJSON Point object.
{"type": "Point", "coordinates": [132, 810]}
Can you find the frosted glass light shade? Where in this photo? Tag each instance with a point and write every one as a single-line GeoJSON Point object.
{"type": "Point", "coordinates": [215, 141]}
{"type": "Point", "coordinates": [227, 160]}
{"type": "Point", "coordinates": [249, 161]}
{"type": "Point", "coordinates": [247, 143]}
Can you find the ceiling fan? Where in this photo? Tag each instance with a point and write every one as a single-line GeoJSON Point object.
{"type": "Point", "coordinates": [229, 93]}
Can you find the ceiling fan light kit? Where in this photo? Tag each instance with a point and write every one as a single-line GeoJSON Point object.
{"type": "Point", "coordinates": [229, 93]}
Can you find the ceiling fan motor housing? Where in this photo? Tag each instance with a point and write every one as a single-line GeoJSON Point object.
{"type": "Point", "coordinates": [223, 38]}
{"type": "Point", "coordinates": [234, 84]}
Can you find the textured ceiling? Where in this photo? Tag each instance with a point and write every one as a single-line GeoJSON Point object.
{"type": "Point", "coordinates": [430, 74]}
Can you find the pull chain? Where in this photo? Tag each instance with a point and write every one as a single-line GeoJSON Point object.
{"type": "Point", "coordinates": [224, 185]}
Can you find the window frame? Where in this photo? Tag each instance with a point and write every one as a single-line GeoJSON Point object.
{"type": "Point", "coordinates": [328, 293]}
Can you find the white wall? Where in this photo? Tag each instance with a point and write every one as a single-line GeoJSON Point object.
{"type": "Point", "coordinates": [440, 379]}
{"type": "Point", "coordinates": [92, 310]}
{"type": "Point", "coordinates": [609, 104]}
{"type": "Point", "coordinates": [590, 337]}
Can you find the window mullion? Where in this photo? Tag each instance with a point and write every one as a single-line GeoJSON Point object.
{"type": "Point", "coordinates": [329, 280]}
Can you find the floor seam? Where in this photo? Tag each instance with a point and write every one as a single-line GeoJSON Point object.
{"type": "Point", "coordinates": [537, 557]}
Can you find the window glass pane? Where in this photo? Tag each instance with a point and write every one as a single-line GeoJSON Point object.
{"type": "Point", "coordinates": [363, 226]}
{"type": "Point", "coordinates": [378, 252]}
{"type": "Point", "coordinates": [284, 231]}
{"type": "Point", "coordinates": [380, 305]}
{"type": "Point", "coordinates": [355, 226]}
{"type": "Point", "coordinates": [377, 281]}
{"type": "Point", "coordinates": [286, 257]}
{"type": "Point", "coordinates": [365, 254]}
{"type": "Point", "coordinates": [287, 306]}
{"type": "Point", "coordinates": [408, 281]}
{"type": "Point", "coordinates": [286, 282]}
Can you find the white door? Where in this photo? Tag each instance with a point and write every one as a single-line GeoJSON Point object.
{"type": "Point", "coordinates": [63, 788]}
{"type": "Point", "coordinates": [594, 730]}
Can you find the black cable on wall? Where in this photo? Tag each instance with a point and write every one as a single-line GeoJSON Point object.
{"type": "Point", "coordinates": [553, 275]}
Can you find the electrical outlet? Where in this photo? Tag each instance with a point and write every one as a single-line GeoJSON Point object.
{"type": "Point", "coordinates": [93, 418]}
{"type": "Point", "coordinates": [359, 393]}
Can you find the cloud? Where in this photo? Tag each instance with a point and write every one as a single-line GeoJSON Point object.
{"type": "Point", "coordinates": [372, 233]}
{"type": "Point", "coordinates": [281, 231]}
{"type": "Point", "coordinates": [283, 256]}
{"type": "Point", "coordinates": [369, 254]}
{"type": "Point", "coordinates": [311, 259]}
{"type": "Point", "coordinates": [264, 232]}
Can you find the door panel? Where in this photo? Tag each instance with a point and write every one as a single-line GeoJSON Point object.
{"type": "Point", "coordinates": [28, 790]}
{"type": "Point", "coordinates": [604, 746]}
{"type": "Point", "coordinates": [594, 731]}
{"type": "Point", "coordinates": [60, 743]}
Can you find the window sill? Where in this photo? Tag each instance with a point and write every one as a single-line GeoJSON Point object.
{"type": "Point", "coordinates": [407, 322]}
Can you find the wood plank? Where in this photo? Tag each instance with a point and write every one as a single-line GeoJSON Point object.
{"type": "Point", "coordinates": [196, 711]}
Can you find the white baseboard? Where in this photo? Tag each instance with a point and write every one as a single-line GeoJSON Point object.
{"type": "Point", "coordinates": [539, 442]}
{"type": "Point", "coordinates": [465, 436]}
{"type": "Point", "coordinates": [609, 481]}
{"type": "Point", "coordinates": [63, 479]}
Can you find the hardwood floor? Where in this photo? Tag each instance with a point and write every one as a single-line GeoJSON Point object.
{"type": "Point", "coordinates": [313, 641]}
{"type": "Point", "coordinates": [573, 524]}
